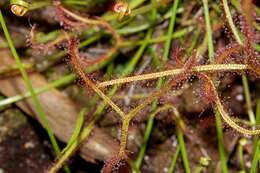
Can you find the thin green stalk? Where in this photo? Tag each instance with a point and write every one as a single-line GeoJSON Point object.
{"type": "Point", "coordinates": [167, 45]}
{"type": "Point", "coordinates": [37, 5]}
{"type": "Point", "coordinates": [130, 66]}
{"type": "Point", "coordinates": [176, 34]}
{"type": "Point", "coordinates": [147, 134]}
{"type": "Point", "coordinates": [66, 154]}
{"type": "Point", "coordinates": [242, 143]}
{"type": "Point", "coordinates": [14, 68]}
{"type": "Point", "coordinates": [57, 83]}
{"type": "Point", "coordinates": [183, 150]}
{"type": "Point", "coordinates": [254, 166]}
{"type": "Point", "coordinates": [78, 127]}
{"type": "Point", "coordinates": [209, 31]}
{"type": "Point", "coordinates": [145, 8]}
{"type": "Point", "coordinates": [154, 10]}
{"type": "Point", "coordinates": [44, 38]}
{"type": "Point", "coordinates": [248, 100]}
{"type": "Point", "coordinates": [257, 121]}
{"type": "Point", "coordinates": [133, 29]}
{"type": "Point", "coordinates": [30, 87]}
{"type": "Point", "coordinates": [134, 168]}
{"type": "Point", "coordinates": [194, 41]}
{"type": "Point", "coordinates": [77, 2]}
{"type": "Point", "coordinates": [174, 160]}
{"type": "Point", "coordinates": [222, 153]}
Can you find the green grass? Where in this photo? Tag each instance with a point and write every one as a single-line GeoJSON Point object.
{"type": "Point", "coordinates": [221, 149]}
{"type": "Point", "coordinates": [78, 127]}
{"type": "Point", "coordinates": [209, 31]}
{"type": "Point", "coordinates": [241, 144]}
{"type": "Point", "coordinates": [28, 83]}
{"type": "Point", "coordinates": [174, 160]}
{"type": "Point", "coordinates": [168, 42]}
{"type": "Point", "coordinates": [184, 154]}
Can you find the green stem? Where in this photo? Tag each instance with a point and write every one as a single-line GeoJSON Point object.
{"type": "Point", "coordinates": [147, 134]}
{"type": "Point", "coordinates": [170, 30]}
{"type": "Point", "coordinates": [221, 148]}
{"type": "Point", "coordinates": [257, 122]}
{"type": "Point", "coordinates": [194, 41]}
{"type": "Point", "coordinates": [183, 150]}
{"type": "Point", "coordinates": [37, 5]}
{"type": "Point", "coordinates": [154, 10]}
{"type": "Point", "coordinates": [241, 144]}
{"type": "Point", "coordinates": [174, 160]}
{"type": "Point", "coordinates": [14, 68]}
{"type": "Point", "coordinates": [77, 129]}
{"type": "Point", "coordinates": [176, 34]}
{"type": "Point", "coordinates": [255, 158]}
{"type": "Point", "coordinates": [209, 32]}
{"type": "Point", "coordinates": [248, 100]}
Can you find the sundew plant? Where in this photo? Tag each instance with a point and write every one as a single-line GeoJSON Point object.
{"type": "Point", "coordinates": [166, 69]}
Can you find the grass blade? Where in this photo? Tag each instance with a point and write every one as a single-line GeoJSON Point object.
{"type": "Point", "coordinates": [30, 87]}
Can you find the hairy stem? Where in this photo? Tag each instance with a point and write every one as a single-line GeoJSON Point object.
{"type": "Point", "coordinates": [202, 68]}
